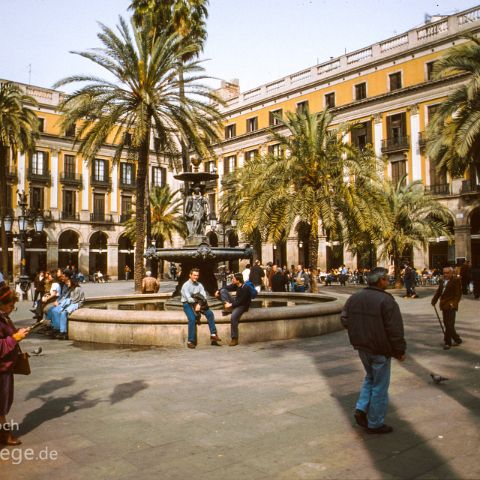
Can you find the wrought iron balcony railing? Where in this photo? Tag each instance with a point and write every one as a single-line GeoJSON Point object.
{"type": "Point", "coordinates": [439, 189]}
{"type": "Point", "coordinates": [39, 176]}
{"type": "Point", "coordinates": [101, 217]}
{"type": "Point", "coordinates": [73, 179]}
{"type": "Point", "coordinates": [395, 144]}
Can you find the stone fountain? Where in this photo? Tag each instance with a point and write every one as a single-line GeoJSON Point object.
{"type": "Point", "coordinates": [197, 252]}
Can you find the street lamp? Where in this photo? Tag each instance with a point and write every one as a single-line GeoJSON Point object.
{"type": "Point", "coordinates": [23, 219]}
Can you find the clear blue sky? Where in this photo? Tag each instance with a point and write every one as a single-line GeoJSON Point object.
{"type": "Point", "coordinates": [254, 40]}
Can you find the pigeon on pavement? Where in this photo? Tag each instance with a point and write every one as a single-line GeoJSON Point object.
{"type": "Point", "coordinates": [438, 378]}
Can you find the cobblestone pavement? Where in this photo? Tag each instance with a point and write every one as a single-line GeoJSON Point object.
{"type": "Point", "coordinates": [274, 410]}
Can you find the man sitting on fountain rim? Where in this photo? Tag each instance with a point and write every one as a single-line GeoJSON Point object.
{"type": "Point", "coordinates": [190, 288]}
{"type": "Point", "coordinates": [239, 304]}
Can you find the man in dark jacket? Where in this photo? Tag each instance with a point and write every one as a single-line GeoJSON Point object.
{"type": "Point", "coordinates": [239, 304]}
{"type": "Point", "coordinates": [449, 292]}
{"type": "Point", "coordinates": [375, 329]}
{"type": "Point", "coordinates": [279, 280]}
{"type": "Point", "coordinates": [256, 275]}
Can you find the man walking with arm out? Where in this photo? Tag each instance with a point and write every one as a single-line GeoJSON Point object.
{"type": "Point", "coordinates": [375, 328]}
{"type": "Point", "coordinates": [450, 293]}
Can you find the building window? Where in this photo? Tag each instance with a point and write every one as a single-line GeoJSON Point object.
{"type": "Point", "coordinates": [229, 164]}
{"type": "Point", "coordinates": [395, 81]}
{"type": "Point", "coordinates": [159, 176]}
{"type": "Point", "coordinates": [39, 163]}
{"type": "Point", "coordinates": [361, 91]}
{"type": "Point", "coordinates": [302, 107]}
{"type": "Point", "coordinates": [126, 174]}
{"type": "Point", "coordinates": [250, 155]}
{"type": "Point", "coordinates": [210, 166]}
{"type": "Point", "coordinates": [36, 198]}
{"type": "Point", "coordinates": [437, 177]}
{"type": "Point", "coordinates": [69, 166]}
{"type": "Point", "coordinates": [397, 126]}
{"type": "Point", "coordinates": [212, 201]}
{"type": "Point", "coordinates": [399, 169]}
{"type": "Point", "coordinates": [429, 67]}
{"type": "Point", "coordinates": [362, 135]}
{"type": "Point", "coordinates": [274, 150]}
{"type": "Point", "coordinates": [41, 124]}
{"type": "Point", "coordinates": [126, 203]}
{"type": "Point", "coordinates": [128, 139]}
{"type": "Point", "coordinates": [99, 206]}
{"type": "Point", "coordinates": [68, 210]}
{"type": "Point", "coordinates": [330, 100]}
{"type": "Point", "coordinates": [252, 124]}
{"type": "Point", "coordinates": [100, 170]}
{"type": "Point", "coordinates": [71, 131]}
{"type": "Point", "coordinates": [230, 131]}
{"type": "Point", "coordinates": [275, 117]}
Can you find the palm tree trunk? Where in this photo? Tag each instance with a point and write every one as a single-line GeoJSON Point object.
{"type": "Point", "coordinates": [184, 148]}
{"type": "Point", "coordinates": [140, 210]}
{"type": "Point", "coordinates": [3, 209]}
{"type": "Point", "coordinates": [313, 250]}
{"type": "Point", "coordinates": [396, 267]}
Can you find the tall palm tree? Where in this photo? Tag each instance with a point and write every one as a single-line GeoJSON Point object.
{"type": "Point", "coordinates": [454, 131]}
{"type": "Point", "coordinates": [18, 132]}
{"type": "Point", "coordinates": [317, 179]}
{"type": "Point", "coordinates": [166, 212]}
{"type": "Point", "coordinates": [413, 218]}
{"type": "Point", "coordinates": [144, 99]}
{"type": "Point", "coordinates": [186, 18]}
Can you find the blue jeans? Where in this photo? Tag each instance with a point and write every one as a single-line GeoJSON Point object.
{"type": "Point", "coordinates": [188, 309]}
{"type": "Point", "coordinates": [373, 399]}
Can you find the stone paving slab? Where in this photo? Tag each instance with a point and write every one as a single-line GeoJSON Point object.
{"type": "Point", "coordinates": [274, 410]}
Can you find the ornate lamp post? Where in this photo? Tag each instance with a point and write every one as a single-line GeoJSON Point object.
{"type": "Point", "coordinates": [23, 220]}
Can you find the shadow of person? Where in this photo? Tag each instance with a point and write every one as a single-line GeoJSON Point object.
{"type": "Point", "coordinates": [127, 390]}
{"type": "Point", "coordinates": [50, 387]}
{"type": "Point", "coordinates": [55, 407]}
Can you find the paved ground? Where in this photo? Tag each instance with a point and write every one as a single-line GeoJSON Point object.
{"type": "Point", "coordinates": [276, 410]}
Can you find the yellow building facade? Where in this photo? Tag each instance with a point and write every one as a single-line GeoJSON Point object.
{"type": "Point", "coordinates": [389, 88]}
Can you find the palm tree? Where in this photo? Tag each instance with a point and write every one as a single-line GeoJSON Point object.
{"type": "Point", "coordinates": [166, 212]}
{"type": "Point", "coordinates": [413, 218]}
{"type": "Point", "coordinates": [317, 179]}
{"type": "Point", "coordinates": [18, 132]}
{"type": "Point", "coordinates": [186, 18]}
{"type": "Point", "coordinates": [143, 100]}
{"type": "Point", "coordinates": [454, 132]}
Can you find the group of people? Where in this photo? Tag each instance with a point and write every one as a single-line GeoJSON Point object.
{"type": "Point", "coordinates": [57, 294]}
{"type": "Point", "coordinates": [194, 300]}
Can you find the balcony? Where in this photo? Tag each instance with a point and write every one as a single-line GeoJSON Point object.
{"type": "Point", "coordinates": [73, 179]}
{"type": "Point", "coordinates": [470, 186]}
{"type": "Point", "coordinates": [39, 176]}
{"type": "Point", "coordinates": [128, 183]}
{"type": "Point", "coordinates": [396, 144]}
{"type": "Point", "coordinates": [439, 189]}
{"type": "Point", "coordinates": [70, 216]}
{"type": "Point", "coordinates": [101, 182]}
{"type": "Point", "coordinates": [12, 175]}
{"type": "Point", "coordinates": [98, 217]}
{"type": "Point", "coordinates": [124, 217]}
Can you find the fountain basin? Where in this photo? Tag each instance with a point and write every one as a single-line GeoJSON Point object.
{"type": "Point", "coordinates": [169, 328]}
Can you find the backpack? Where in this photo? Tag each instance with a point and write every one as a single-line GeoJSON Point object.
{"type": "Point", "coordinates": [253, 290]}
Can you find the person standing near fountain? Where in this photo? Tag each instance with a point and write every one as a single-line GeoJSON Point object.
{"type": "Point", "coordinates": [240, 304]}
{"type": "Point", "coordinates": [191, 288]}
